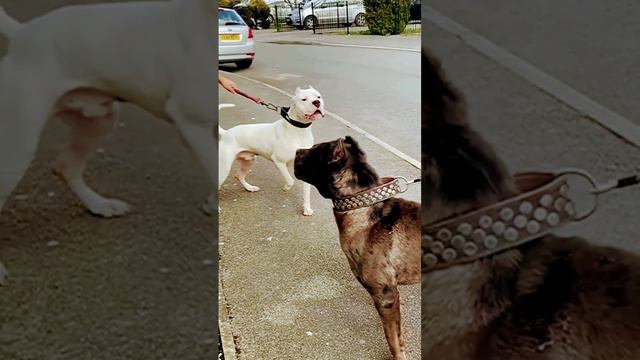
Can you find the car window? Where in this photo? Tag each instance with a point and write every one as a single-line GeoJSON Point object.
{"type": "Point", "coordinates": [229, 17]}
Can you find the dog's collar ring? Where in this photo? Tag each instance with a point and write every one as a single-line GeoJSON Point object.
{"type": "Point", "coordinates": [403, 183]}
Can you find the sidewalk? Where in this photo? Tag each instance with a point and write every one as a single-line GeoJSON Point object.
{"type": "Point", "coordinates": [409, 42]}
{"type": "Point", "coordinates": [285, 282]}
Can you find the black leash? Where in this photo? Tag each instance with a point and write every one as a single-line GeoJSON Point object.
{"type": "Point", "coordinates": [617, 184]}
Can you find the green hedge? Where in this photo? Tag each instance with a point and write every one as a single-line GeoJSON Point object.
{"type": "Point", "coordinates": [387, 17]}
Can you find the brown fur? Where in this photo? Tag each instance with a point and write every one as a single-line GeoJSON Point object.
{"type": "Point", "coordinates": [381, 242]}
{"type": "Point", "coordinates": [551, 299]}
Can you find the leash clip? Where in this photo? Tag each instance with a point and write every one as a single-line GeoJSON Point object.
{"type": "Point", "coordinates": [406, 183]}
{"type": "Point", "coordinates": [270, 106]}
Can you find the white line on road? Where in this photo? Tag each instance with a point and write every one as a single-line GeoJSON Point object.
{"type": "Point", "coordinates": [415, 163]}
{"type": "Point", "coordinates": [608, 119]}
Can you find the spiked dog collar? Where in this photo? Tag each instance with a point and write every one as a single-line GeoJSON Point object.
{"type": "Point", "coordinates": [542, 206]}
{"type": "Point", "coordinates": [390, 187]}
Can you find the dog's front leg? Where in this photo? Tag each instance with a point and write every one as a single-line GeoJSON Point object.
{"type": "Point", "coordinates": [387, 301]}
{"type": "Point", "coordinates": [306, 194]}
{"type": "Point", "coordinates": [285, 173]}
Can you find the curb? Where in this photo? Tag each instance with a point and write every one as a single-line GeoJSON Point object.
{"type": "Point", "coordinates": [224, 327]}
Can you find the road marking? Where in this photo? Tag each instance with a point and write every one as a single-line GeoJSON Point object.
{"type": "Point", "coordinates": [606, 118]}
{"type": "Point", "coordinates": [415, 163]}
{"type": "Point", "coordinates": [321, 43]}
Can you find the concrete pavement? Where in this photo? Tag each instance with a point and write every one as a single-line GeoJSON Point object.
{"type": "Point", "coordinates": [285, 282]}
{"type": "Point", "coordinates": [589, 45]}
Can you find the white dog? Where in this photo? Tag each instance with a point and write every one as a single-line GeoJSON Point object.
{"type": "Point", "coordinates": [277, 141]}
{"type": "Point", "coordinates": [77, 62]}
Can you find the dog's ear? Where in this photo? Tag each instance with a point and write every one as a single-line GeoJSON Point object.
{"type": "Point", "coordinates": [354, 148]}
{"type": "Point", "coordinates": [338, 152]}
{"type": "Point", "coordinates": [311, 87]}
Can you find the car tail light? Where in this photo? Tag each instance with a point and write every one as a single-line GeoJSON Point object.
{"type": "Point", "coordinates": [252, 54]}
{"type": "Point", "coordinates": [250, 33]}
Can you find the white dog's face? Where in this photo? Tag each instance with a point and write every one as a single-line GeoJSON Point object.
{"type": "Point", "coordinates": [310, 103]}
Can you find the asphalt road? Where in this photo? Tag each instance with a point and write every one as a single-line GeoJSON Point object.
{"type": "Point", "coordinates": [81, 287]}
{"type": "Point", "coordinates": [378, 90]}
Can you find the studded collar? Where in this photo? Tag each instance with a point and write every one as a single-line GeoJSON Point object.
{"type": "Point", "coordinates": [388, 189]}
{"type": "Point", "coordinates": [542, 205]}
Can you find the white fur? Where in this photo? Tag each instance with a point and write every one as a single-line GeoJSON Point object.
{"type": "Point", "coordinates": [277, 141]}
{"type": "Point", "coordinates": [75, 62]}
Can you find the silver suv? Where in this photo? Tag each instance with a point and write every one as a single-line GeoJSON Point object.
{"type": "Point", "coordinates": [322, 12]}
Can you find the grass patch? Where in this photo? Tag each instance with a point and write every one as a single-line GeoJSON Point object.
{"type": "Point", "coordinates": [412, 32]}
{"type": "Point", "coordinates": [406, 32]}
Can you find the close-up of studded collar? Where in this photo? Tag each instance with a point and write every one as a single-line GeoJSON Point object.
{"type": "Point", "coordinates": [542, 205]}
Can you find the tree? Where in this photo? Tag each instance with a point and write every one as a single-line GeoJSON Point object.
{"type": "Point", "coordinates": [387, 17]}
{"type": "Point", "coordinates": [258, 9]}
{"type": "Point", "coordinates": [228, 3]}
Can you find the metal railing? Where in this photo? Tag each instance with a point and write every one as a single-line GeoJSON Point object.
{"type": "Point", "coordinates": [335, 15]}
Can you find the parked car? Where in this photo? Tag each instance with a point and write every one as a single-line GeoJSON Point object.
{"type": "Point", "coordinates": [283, 8]}
{"type": "Point", "coordinates": [236, 44]}
{"type": "Point", "coordinates": [323, 12]}
{"type": "Point", "coordinates": [415, 13]}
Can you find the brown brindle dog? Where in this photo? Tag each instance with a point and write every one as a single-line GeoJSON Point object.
{"type": "Point", "coordinates": [551, 298]}
{"type": "Point", "coordinates": [381, 240]}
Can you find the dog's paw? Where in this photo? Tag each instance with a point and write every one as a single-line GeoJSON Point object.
{"type": "Point", "coordinates": [109, 208]}
{"type": "Point", "coordinates": [307, 211]}
{"type": "Point", "coordinates": [3, 274]}
{"type": "Point", "coordinates": [287, 187]}
{"type": "Point", "coordinates": [400, 356]}
{"type": "Point", "coordinates": [252, 188]}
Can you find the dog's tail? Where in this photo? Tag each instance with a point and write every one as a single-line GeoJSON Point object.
{"type": "Point", "coordinates": [222, 106]}
{"type": "Point", "coordinates": [8, 25]}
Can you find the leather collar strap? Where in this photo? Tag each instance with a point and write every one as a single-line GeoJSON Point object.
{"type": "Point", "coordinates": [542, 206]}
{"type": "Point", "coordinates": [389, 188]}
{"type": "Point", "coordinates": [284, 112]}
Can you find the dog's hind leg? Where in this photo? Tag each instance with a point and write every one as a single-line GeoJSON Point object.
{"type": "Point", "coordinates": [86, 135]}
{"type": "Point", "coordinates": [246, 160]}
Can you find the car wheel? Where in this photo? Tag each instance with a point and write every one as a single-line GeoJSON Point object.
{"type": "Point", "coordinates": [310, 21]}
{"type": "Point", "coordinates": [244, 64]}
{"type": "Point", "coordinates": [271, 19]}
{"type": "Point", "coordinates": [360, 20]}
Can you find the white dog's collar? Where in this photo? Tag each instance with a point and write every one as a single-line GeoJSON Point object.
{"type": "Point", "coordinates": [284, 112]}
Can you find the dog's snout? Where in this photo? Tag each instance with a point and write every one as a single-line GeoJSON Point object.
{"type": "Point", "coordinates": [316, 103]}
